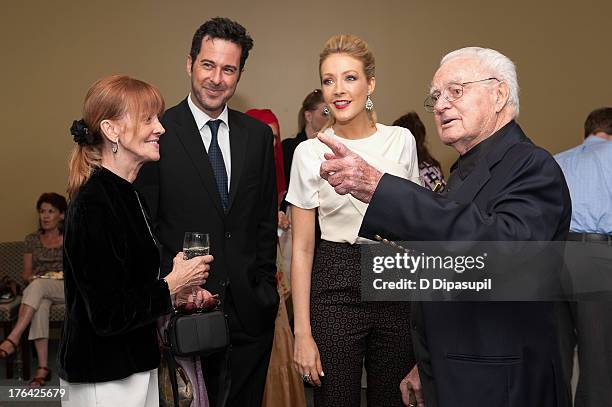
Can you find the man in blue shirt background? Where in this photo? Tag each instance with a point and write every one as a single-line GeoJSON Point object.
{"type": "Point", "coordinates": [587, 169]}
{"type": "Point", "coordinates": [588, 172]}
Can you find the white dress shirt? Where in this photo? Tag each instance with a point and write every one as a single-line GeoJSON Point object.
{"type": "Point", "coordinates": [223, 137]}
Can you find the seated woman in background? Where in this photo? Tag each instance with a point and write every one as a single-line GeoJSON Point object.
{"type": "Point", "coordinates": [42, 267]}
{"type": "Point", "coordinates": [429, 168]}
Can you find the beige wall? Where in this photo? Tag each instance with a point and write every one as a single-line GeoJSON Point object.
{"type": "Point", "coordinates": [53, 50]}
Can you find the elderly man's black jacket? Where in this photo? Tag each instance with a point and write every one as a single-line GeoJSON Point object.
{"type": "Point", "coordinates": [496, 353]}
{"type": "Point", "coordinates": [113, 294]}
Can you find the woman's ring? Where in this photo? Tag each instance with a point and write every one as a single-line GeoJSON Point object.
{"type": "Point", "coordinates": [306, 378]}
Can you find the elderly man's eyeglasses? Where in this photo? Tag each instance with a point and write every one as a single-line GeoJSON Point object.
{"type": "Point", "coordinates": [451, 92]}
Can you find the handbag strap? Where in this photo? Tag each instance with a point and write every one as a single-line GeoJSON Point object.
{"type": "Point", "coordinates": [225, 379]}
{"type": "Point", "coordinates": [172, 368]}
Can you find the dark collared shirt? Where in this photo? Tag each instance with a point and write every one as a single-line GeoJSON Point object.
{"type": "Point", "coordinates": [466, 163]}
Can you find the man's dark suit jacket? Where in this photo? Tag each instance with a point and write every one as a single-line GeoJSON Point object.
{"type": "Point", "coordinates": [473, 353]}
{"type": "Point", "coordinates": [181, 192]}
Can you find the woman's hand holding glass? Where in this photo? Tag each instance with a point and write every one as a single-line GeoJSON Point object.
{"type": "Point", "coordinates": [188, 273]}
{"type": "Point", "coordinates": [307, 360]}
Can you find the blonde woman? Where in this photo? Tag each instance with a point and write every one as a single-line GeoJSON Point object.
{"type": "Point", "coordinates": [334, 331]}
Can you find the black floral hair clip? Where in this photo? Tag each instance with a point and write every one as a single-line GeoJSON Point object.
{"type": "Point", "coordinates": [81, 133]}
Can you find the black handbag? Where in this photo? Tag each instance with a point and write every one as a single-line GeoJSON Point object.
{"type": "Point", "coordinates": [200, 333]}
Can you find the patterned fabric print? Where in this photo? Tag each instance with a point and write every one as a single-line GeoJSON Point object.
{"type": "Point", "coordinates": [336, 276]}
{"type": "Point", "coordinates": [11, 259]}
{"type": "Point", "coordinates": [347, 330]}
{"type": "Point", "coordinates": [44, 259]}
{"type": "Point", "coordinates": [57, 312]}
{"type": "Point", "coordinates": [431, 174]}
{"type": "Point", "coordinates": [9, 310]}
{"type": "Point", "coordinates": [217, 163]}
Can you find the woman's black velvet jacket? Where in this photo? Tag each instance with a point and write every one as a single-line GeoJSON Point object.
{"type": "Point", "coordinates": [113, 293]}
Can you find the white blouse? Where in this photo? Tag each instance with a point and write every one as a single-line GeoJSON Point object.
{"type": "Point", "coordinates": [391, 149]}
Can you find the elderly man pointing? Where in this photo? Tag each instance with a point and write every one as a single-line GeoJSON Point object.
{"type": "Point", "coordinates": [502, 188]}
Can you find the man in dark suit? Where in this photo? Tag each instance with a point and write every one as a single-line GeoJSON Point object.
{"type": "Point", "coordinates": [216, 175]}
{"type": "Point", "coordinates": [502, 188]}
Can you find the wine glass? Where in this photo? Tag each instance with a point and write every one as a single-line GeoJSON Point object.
{"type": "Point", "coordinates": [195, 244]}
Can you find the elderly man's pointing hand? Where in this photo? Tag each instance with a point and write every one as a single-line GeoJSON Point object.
{"type": "Point", "coordinates": [347, 172]}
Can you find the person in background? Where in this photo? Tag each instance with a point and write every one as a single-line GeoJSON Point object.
{"type": "Point", "coordinates": [109, 350]}
{"type": "Point", "coordinates": [334, 330]}
{"type": "Point", "coordinates": [429, 168]}
{"type": "Point", "coordinates": [268, 117]}
{"type": "Point", "coordinates": [283, 384]}
{"type": "Point", "coordinates": [42, 267]}
{"type": "Point", "coordinates": [587, 170]}
{"type": "Point", "coordinates": [311, 119]}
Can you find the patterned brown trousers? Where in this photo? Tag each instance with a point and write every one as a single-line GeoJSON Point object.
{"type": "Point", "coordinates": [348, 332]}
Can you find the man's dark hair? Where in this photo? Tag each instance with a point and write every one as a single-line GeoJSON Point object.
{"type": "Point", "coordinates": [225, 29]}
{"type": "Point", "coordinates": [597, 121]}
